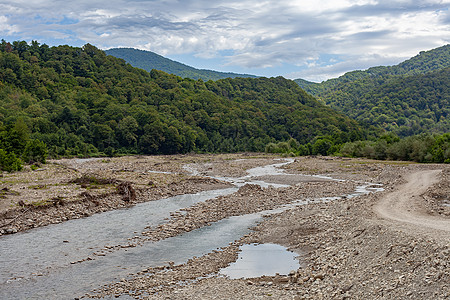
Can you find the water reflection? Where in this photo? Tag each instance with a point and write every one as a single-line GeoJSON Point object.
{"type": "Point", "coordinates": [37, 264]}
{"type": "Point", "coordinates": [256, 260]}
{"type": "Point", "coordinates": [69, 280]}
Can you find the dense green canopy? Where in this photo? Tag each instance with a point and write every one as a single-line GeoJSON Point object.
{"type": "Point", "coordinates": [80, 101]}
{"type": "Point", "coordinates": [407, 99]}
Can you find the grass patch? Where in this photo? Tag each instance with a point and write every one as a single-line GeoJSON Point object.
{"type": "Point", "coordinates": [91, 182]}
{"type": "Point", "coordinates": [383, 162]}
{"type": "Point", "coordinates": [34, 167]}
{"type": "Point", "coordinates": [7, 192]}
{"type": "Point", "coordinates": [46, 202]}
{"type": "Point", "coordinates": [40, 203]}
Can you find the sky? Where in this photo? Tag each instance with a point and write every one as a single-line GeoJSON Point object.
{"type": "Point", "coordinates": [309, 39]}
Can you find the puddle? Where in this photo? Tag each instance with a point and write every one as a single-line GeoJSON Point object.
{"type": "Point", "coordinates": [36, 264]}
{"type": "Point", "coordinates": [446, 203]}
{"type": "Point", "coordinates": [38, 251]}
{"type": "Point", "coordinates": [69, 280]}
{"type": "Point", "coordinates": [85, 160]}
{"type": "Point", "coordinates": [366, 189]}
{"type": "Point", "coordinates": [268, 169]}
{"type": "Point", "coordinates": [256, 260]}
{"type": "Point", "coordinates": [159, 172]}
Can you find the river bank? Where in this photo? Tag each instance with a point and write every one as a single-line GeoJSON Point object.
{"type": "Point", "coordinates": [75, 188]}
{"type": "Point", "coordinates": [346, 249]}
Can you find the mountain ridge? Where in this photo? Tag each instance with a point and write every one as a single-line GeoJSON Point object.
{"type": "Point", "coordinates": [411, 66]}
{"type": "Point", "coordinates": [149, 60]}
{"type": "Point", "coordinates": [81, 102]}
{"type": "Point", "coordinates": [409, 98]}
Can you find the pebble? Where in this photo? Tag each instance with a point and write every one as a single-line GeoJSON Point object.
{"type": "Point", "coordinates": [341, 264]}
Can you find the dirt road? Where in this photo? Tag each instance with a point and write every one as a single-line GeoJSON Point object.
{"type": "Point", "coordinates": [389, 245]}
{"type": "Point", "coordinates": [404, 208]}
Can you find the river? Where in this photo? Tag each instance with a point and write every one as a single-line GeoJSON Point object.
{"type": "Point", "coordinates": [39, 263]}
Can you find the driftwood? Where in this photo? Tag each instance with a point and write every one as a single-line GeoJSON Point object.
{"type": "Point", "coordinates": [127, 191]}
{"type": "Point", "coordinates": [13, 220]}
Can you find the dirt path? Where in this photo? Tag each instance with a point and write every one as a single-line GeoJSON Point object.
{"type": "Point", "coordinates": [404, 207]}
{"type": "Point", "coordinates": [347, 250]}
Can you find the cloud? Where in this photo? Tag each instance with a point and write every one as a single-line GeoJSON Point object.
{"type": "Point", "coordinates": [6, 27]}
{"type": "Point", "coordinates": [255, 34]}
{"type": "Point", "coordinates": [319, 73]}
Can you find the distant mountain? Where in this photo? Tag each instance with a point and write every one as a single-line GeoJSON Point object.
{"type": "Point", "coordinates": [148, 60]}
{"type": "Point", "coordinates": [304, 83]}
{"type": "Point", "coordinates": [409, 98]}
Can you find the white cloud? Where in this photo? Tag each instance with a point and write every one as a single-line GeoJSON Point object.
{"type": "Point", "coordinates": [260, 34]}
{"type": "Point", "coordinates": [317, 73]}
{"type": "Point", "coordinates": [6, 27]}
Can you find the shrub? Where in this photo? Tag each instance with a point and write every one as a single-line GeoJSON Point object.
{"type": "Point", "coordinates": [9, 161]}
{"type": "Point", "coordinates": [35, 151]}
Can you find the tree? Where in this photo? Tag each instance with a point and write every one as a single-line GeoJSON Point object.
{"type": "Point", "coordinates": [321, 146]}
{"type": "Point", "coordinates": [18, 137]}
{"type": "Point", "coordinates": [127, 129]}
{"type": "Point", "coordinates": [9, 161]}
{"type": "Point", "coordinates": [172, 143]}
{"type": "Point", "coordinates": [35, 151]}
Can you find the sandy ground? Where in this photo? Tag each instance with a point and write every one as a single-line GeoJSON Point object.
{"type": "Point", "coordinates": [404, 208]}
{"type": "Point", "coordinates": [388, 245]}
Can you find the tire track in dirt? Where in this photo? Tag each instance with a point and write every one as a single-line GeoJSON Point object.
{"type": "Point", "coordinates": [404, 210]}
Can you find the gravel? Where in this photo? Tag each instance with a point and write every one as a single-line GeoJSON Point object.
{"type": "Point", "coordinates": [345, 250]}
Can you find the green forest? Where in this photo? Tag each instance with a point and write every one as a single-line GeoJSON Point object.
{"type": "Point", "coordinates": [407, 99]}
{"type": "Point", "coordinates": [77, 102]}
{"type": "Point", "coordinates": [66, 101]}
{"type": "Point", "coordinates": [423, 148]}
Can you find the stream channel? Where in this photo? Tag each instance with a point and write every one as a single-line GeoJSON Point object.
{"type": "Point", "coordinates": [36, 264]}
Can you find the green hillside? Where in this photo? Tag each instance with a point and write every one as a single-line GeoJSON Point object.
{"type": "Point", "coordinates": [80, 101]}
{"type": "Point", "coordinates": [407, 99]}
{"type": "Point", "coordinates": [148, 60]}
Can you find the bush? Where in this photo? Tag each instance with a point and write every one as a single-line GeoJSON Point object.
{"type": "Point", "coordinates": [293, 144]}
{"type": "Point", "coordinates": [35, 151]}
{"type": "Point", "coordinates": [419, 148]}
{"type": "Point", "coordinates": [9, 161]}
{"type": "Point", "coordinates": [271, 148]}
{"type": "Point", "coordinates": [321, 146]}
{"type": "Point", "coordinates": [281, 147]}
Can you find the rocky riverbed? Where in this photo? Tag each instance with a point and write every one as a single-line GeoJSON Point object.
{"type": "Point", "coordinates": [346, 250]}
{"type": "Point", "coordinates": [76, 188]}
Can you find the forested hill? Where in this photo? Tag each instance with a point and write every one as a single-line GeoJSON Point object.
{"type": "Point", "coordinates": [409, 98]}
{"type": "Point", "coordinates": [80, 101]}
{"type": "Point", "coordinates": [148, 60]}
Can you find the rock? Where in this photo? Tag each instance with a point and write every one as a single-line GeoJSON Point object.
{"type": "Point", "coordinates": [283, 279]}
{"type": "Point", "coordinates": [346, 288]}
{"type": "Point", "coordinates": [319, 276]}
{"type": "Point", "coordinates": [11, 230]}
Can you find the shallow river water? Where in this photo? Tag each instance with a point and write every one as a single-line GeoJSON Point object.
{"type": "Point", "coordinates": [37, 264]}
